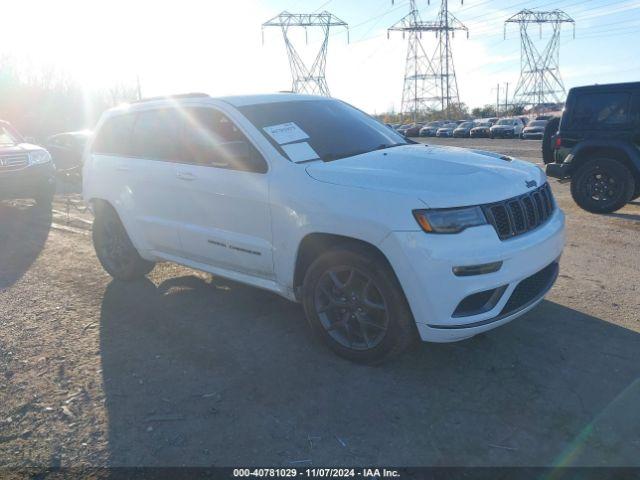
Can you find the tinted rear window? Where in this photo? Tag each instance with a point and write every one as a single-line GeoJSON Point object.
{"type": "Point", "coordinates": [600, 110]}
{"type": "Point", "coordinates": [114, 138]}
{"type": "Point", "coordinates": [156, 135]}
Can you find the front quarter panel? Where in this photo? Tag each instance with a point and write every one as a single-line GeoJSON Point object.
{"type": "Point", "coordinates": [301, 206]}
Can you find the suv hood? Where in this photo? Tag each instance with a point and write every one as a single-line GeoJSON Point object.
{"type": "Point", "coordinates": [18, 148]}
{"type": "Point", "coordinates": [440, 177]}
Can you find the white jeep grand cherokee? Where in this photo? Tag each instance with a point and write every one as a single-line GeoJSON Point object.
{"type": "Point", "coordinates": [378, 237]}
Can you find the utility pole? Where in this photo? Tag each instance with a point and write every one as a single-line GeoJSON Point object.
{"type": "Point", "coordinates": [430, 80]}
{"type": "Point", "coordinates": [498, 99]}
{"type": "Point", "coordinates": [540, 80]}
{"type": "Point", "coordinates": [506, 96]}
{"type": "Point", "coordinates": [306, 79]}
{"type": "Point", "coordinates": [138, 87]}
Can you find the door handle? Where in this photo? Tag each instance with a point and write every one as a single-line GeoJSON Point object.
{"type": "Point", "coordinates": [186, 176]}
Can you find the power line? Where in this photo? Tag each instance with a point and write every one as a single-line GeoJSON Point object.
{"type": "Point", "coordinates": [540, 80]}
{"type": "Point", "coordinates": [430, 80]}
{"type": "Point", "coordinates": [306, 79]}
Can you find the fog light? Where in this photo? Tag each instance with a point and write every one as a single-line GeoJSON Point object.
{"type": "Point", "coordinates": [481, 269]}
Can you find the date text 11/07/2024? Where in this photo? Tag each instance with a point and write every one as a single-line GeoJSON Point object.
{"type": "Point", "coordinates": [316, 472]}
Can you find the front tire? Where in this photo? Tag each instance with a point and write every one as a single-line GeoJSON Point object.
{"type": "Point", "coordinates": [602, 185]}
{"type": "Point", "coordinates": [114, 249]}
{"type": "Point", "coordinates": [355, 304]}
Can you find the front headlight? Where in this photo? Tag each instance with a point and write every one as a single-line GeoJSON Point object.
{"type": "Point", "coordinates": [451, 220]}
{"type": "Point", "coordinates": [38, 157]}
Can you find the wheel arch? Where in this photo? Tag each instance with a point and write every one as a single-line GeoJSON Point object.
{"type": "Point", "coordinates": [99, 204]}
{"type": "Point", "coordinates": [96, 204]}
{"type": "Point", "coordinates": [314, 244]}
{"type": "Point", "coordinates": [620, 152]}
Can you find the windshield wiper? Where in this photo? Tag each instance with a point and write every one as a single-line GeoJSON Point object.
{"type": "Point", "coordinates": [334, 156]}
{"type": "Point", "coordinates": [386, 145]}
{"type": "Point", "coordinates": [337, 156]}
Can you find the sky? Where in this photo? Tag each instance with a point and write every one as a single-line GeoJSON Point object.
{"type": "Point", "coordinates": [216, 46]}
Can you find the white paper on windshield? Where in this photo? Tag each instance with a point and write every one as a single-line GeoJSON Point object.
{"type": "Point", "coordinates": [286, 133]}
{"type": "Point", "coordinates": [300, 152]}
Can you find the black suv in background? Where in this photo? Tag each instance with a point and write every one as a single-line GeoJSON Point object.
{"type": "Point", "coordinates": [26, 170]}
{"type": "Point", "coordinates": [597, 146]}
{"type": "Point", "coordinates": [67, 149]}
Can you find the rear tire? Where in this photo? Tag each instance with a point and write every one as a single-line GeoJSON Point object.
{"type": "Point", "coordinates": [355, 304]}
{"type": "Point", "coordinates": [602, 185]}
{"type": "Point", "coordinates": [114, 249]}
{"type": "Point", "coordinates": [547, 139]}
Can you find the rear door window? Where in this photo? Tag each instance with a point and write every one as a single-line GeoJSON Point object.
{"type": "Point", "coordinates": [601, 110]}
{"type": "Point", "coordinates": [157, 134]}
{"type": "Point", "coordinates": [114, 137]}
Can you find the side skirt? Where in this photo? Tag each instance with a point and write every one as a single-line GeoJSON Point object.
{"type": "Point", "coordinates": [257, 282]}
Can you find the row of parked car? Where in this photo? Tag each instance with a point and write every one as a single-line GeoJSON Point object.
{"type": "Point", "coordinates": [510, 127]}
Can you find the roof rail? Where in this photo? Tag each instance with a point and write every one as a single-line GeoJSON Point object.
{"type": "Point", "coordinates": [172, 97]}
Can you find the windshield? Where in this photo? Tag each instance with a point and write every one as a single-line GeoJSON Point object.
{"type": "Point", "coordinates": [538, 123]}
{"type": "Point", "coordinates": [505, 121]}
{"type": "Point", "coordinates": [466, 125]}
{"type": "Point", "coordinates": [325, 129]}
{"type": "Point", "coordinates": [7, 136]}
{"type": "Point", "coordinates": [483, 124]}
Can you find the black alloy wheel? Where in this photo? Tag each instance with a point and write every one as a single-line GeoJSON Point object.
{"type": "Point", "coordinates": [356, 306]}
{"type": "Point", "coordinates": [602, 185]}
{"type": "Point", "coordinates": [114, 248]}
{"type": "Point", "coordinates": [351, 308]}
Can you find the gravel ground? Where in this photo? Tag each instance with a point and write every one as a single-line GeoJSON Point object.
{"type": "Point", "coordinates": [186, 369]}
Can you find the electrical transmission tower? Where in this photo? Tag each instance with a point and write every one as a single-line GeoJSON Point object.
{"type": "Point", "coordinates": [540, 80]}
{"type": "Point", "coordinates": [430, 80]}
{"type": "Point", "coordinates": [304, 79]}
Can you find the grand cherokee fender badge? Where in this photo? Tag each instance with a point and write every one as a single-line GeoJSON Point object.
{"type": "Point", "coordinates": [531, 183]}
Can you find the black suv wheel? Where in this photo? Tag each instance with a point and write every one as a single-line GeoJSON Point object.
{"type": "Point", "coordinates": [114, 249]}
{"type": "Point", "coordinates": [602, 185]}
{"type": "Point", "coordinates": [356, 306]}
{"type": "Point", "coordinates": [44, 200]}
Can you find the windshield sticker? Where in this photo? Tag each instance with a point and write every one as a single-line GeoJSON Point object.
{"type": "Point", "coordinates": [286, 133]}
{"type": "Point", "coordinates": [300, 152]}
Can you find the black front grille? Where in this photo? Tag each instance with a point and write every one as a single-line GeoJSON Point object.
{"type": "Point", "coordinates": [522, 214]}
{"type": "Point", "coordinates": [14, 161]}
{"type": "Point", "coordinates": [530, 289]}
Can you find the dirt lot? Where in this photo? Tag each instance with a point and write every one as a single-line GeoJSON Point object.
{"type": "Point", "coordinates": [185, 369]}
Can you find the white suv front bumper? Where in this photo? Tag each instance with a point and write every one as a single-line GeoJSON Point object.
{"type": "Point", "coordinates": [424, 265]}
